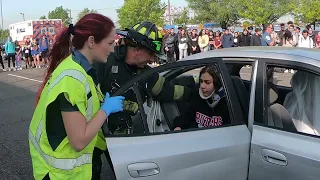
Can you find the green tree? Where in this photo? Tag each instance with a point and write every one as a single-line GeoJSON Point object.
{"type": "Point", "coordinates": [4, 34]}
{"type": "Point", "coordinates": [135, 11]}
{"type": "Point", "coordinates": [84, 12]}
{"type": "Point", "coordinates": [43, 17]}
{"type": "Point", "coordinates": [223, 12]}
{"type": "Point", "coordinates": [307, 11]}
{"type": "Point", "coordinates": [262, 12]}
{"type": "Point", "coordinates": [182, 18]}
{"type": "Point", "coordinates": [60, 13]}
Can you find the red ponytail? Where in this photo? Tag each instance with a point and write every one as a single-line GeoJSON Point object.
{"type": "Point", "coordinates": [93, 24]}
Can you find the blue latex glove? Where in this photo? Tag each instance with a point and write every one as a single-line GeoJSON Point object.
{"type": "Point", "coordinates": [112, 104]}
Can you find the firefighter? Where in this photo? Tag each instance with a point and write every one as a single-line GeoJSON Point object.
{"type": "Point", "coordinates": [141, 45]}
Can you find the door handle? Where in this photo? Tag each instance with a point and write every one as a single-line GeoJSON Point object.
{"type": "Point", "coordinates": [274, 157]}
{"type": "Point", "coordinates": [143, 169]}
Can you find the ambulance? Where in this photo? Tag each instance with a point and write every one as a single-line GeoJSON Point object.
{"type": "Point", "coordinates": [34, 29]}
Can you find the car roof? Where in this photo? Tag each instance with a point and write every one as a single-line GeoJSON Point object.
{"type": "Point", "coordinates": [309, 55]}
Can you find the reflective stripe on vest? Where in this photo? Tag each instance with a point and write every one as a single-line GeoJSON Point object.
{"type": "Point", "coordinates": [80, 77]}
{"type": "Point", "coordinates": [65, 164]}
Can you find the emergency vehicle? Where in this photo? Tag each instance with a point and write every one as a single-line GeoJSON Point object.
{"type": "Point", "coordinates": [34, 29]}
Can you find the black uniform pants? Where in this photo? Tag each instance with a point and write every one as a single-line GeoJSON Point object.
{"type": "Point", "coordinates": [12, 56]}
{"type": "Point", "coordinates": [176, 50]}
{"type": "Point", "coordinates": [1, 62]}
{"type": "Point", "coordinates": [170, 55]}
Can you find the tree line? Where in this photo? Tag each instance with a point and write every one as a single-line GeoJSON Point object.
{"type": "Point", "coordinates": [223, 12]}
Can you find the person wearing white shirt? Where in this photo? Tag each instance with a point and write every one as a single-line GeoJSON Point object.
{"type": "Point", "coordinates": [305, 41]}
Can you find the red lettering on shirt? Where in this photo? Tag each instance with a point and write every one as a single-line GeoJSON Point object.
{"type": "Point", "coordinates": [206, 121]}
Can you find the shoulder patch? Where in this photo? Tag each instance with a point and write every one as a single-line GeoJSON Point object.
{"type": "Point", "coordinates": [114, 69]}
{"type": "Point", "coordinates": [268, 38]}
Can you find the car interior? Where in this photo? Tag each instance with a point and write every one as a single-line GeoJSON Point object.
{"type": "Point", "coordinates": [278, 114]}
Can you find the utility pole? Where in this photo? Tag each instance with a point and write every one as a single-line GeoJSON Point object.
{"type": "Point", "coordinates": [23, 16]}
{"type": "Point", "coordinates": [169, 10]}
{"type": "Point", "coordinates": [1, 16]}
{"type": "Point", "coordinates": [70, 16]}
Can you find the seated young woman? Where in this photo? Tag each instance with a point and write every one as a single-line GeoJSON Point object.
{"type": "Point", "coordinates": [209, 105]}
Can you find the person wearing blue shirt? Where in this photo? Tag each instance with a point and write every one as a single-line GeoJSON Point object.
{"type": "Point", "coordinates": [44, 49]}
{"type": "Point", "coordinates": [266, 39]}
{"type": "Point", "coordinates": [10, 50]}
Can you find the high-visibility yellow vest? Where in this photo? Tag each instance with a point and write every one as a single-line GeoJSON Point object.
{"type": "Point", "coordinates": [64, 162]}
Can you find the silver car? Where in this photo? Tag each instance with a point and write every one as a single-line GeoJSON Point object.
{"type": "Point", "coordinates": [271, 135]}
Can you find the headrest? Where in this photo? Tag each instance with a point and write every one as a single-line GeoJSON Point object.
{"type": "Point", "coordinates": [273, 96]}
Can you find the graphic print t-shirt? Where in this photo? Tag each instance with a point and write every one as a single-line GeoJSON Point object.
{"type": "Point", "coordinates": [201, 115]}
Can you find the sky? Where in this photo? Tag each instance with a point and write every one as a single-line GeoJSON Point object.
{"type": "Point", "coordinates": [35, 8]}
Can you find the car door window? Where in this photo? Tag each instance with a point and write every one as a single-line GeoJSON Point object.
{"type": "Point", "coordinates": [171, 107]}
{"type": "Point", "coordinates": [293, 100]}
{"type": "Point", "coordinates": [285, 132]}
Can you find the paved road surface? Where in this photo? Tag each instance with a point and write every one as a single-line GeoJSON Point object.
{"type": "Point", "coordinates": [17, 95]}
{"type": "Point", "coordinates": [17, 99]}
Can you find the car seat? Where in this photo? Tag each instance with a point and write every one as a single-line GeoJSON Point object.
{"type": "Point", "coordinates": [242, 94]}
{"type": "Point", "coordinates": [177, 108]}
{"type": "Point", "coordinates": [278, 116]}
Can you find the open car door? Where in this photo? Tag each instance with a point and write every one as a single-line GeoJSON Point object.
{"type": "Point", "coordinates": [202, 153]}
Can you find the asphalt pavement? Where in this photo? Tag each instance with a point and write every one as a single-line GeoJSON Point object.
{"type": "Point", "coordinates": [17, 102]}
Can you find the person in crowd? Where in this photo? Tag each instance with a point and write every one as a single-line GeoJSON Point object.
{"type": "Point", "coordinates": [297, 33]}
{"type": "Point", "coordinates": [194, 42]}
{"type": "Point", "coordinates": [176, 43]}
{"type": "Point", "coordinates": [256, 38]}
{"type": "Point", "coordinates": [10, 52]}
{"type": "Point", "coordinates": [18, 56]}
{"type": "Point", "coordinates": [232, 31]}
{"type": "Point", "coordinates": [50, 45]}
{"type": "Point", "coordinates": [1, 59]}
{"type": "Point", "coordinates": [65, 136]}
{"type": "Point", "coordinates": [236, 39]}
{"type": "Point", "coordinates": [211, 40]}
{"type": "Point", "coordinates": [305, 40]}
{"type": "Point", "coordinates": [310, 32]}
{"type": "Point", "coordinates": [266, 39]}
{"type": "Point", "coordinates": [44, 49]}
{"type": "Point", "coordinates": [217, 43]}
{"type": "Point", "coordinates": [203, 41]}
{"type": "Point", "coordinates": [183, 44]}
{"type": "Point", "coordinates": [189, 41]}
{"type": "Point", "coordinates": [35, 52]}
{"type": "Point", "coordinates": [281, 33]}
{"type": "Point", "coordinates": [27, 54]}
{"type": "Point", "coordinates": [209, 102]}
{"type": "Point", "coordinates": [244, 39]}
{"type": "Point", "coordinates": [289, 40]}
{"type": "Point", "coordinates": [317, 40]}
{"type": "Point", "coordinates": [227, 39]}
{"type": "Point", "coordinates": [250, 29]}
{"type": "Point", "coordinates": [169, 46]}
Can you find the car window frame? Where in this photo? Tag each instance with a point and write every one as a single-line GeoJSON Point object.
{"type": "Point", "coordinates": [262, 95]}
{"type": "Point", "coordinates": [233, 103]}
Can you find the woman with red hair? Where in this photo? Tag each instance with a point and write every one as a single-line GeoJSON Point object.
{"type": "Point", "coordinates": [65, 134]}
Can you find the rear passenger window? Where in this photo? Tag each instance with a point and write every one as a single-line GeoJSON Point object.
{"type": "Point", "coordinates": [295, 109]}
{"type": "Point", "coordinates": [190, 97]}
